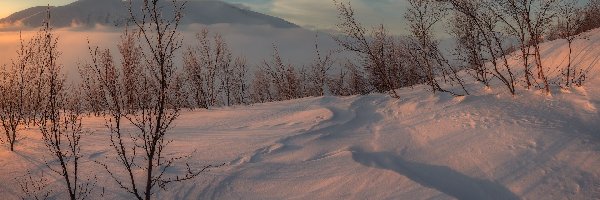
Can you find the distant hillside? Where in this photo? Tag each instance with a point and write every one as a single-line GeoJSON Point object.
{"type": "Point", "coordinates": [115, 13]}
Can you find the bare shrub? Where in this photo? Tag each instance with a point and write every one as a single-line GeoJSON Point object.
{"type": "Point", "coordinates": [469, 49]}
{"type": "Point", "coordinates": [60, 118]}
{"type": "Point", "coordinates": [377, 55]}
{"type": "Point", "coordinates": [284, 78]}
{"type": "Point", "coordinates": [316, 80]}
{"type": "Point", "coordinates": [591, 14]}
{"type": "Point", "coordinates": [570, 20]}
{"type": "Point", "coordinates": [422, 15]}
{"type": "Point", "coordinates": [261, 87]}
{"type": "Point", "coordinates": [15, 89]}
{"type": "Point", "coordinates": [146, 91]}
{"type": "Point", "coordinates": [349, 81]}
{"type": "Point", "coordinates": [485, 17]}
{"type": "Point", "coordinates": [34, 187]}
{"type": "Point", "coordinates": [214, 77]}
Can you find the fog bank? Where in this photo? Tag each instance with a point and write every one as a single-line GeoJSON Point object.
{"type": "Point", "coordinates": [296, 45]}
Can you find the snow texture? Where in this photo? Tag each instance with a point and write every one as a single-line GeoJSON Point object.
{"type": "Point", "coordinates": [489, 145]}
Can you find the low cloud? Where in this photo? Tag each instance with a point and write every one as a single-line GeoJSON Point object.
{"type": "Point", "coordinates": [322, 14]}
{"type": "Point", "coordinates": [254, 42]}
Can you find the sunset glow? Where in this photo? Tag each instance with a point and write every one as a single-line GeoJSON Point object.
{"type": "Point", "coordinates": [8, 7]}
{"type": "Point", "coordinates": [311, 14]}
{"type": "Point", "coordinates": [299, 99]}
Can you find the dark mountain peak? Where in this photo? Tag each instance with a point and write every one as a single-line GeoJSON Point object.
{"type": "Point", "coordinates": [115, 13]}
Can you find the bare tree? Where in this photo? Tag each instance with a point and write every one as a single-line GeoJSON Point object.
{"type": "Point", "coordinates": [284, 78]}
{"type": "Point", "coordinates": [536, 16]}
{"type": "Point", "coordinates": [61, 128]}
{"type": "Point", "coordinates": [60, 121]}
{"type": "Point", "coordinates": [591, 14]}
{"type": "Point", "coordinates": [196, 80]}
{"type": "Point", "coordinates": [394, 62]}
{"type": "Point", "coordinates": [15, 87]}
{"type": "Point", "coordinates": [224, 60]}
{"type": "Point", "coordinates": [306, 87]}
{"type": "Point", "coordinates": [513, 14]}
{"type": "Point", "coordinates": [146, 91]}
{"type": "Point", "coordinates": [238, 87]}
{"type": "Point", "coordinates": [570, 20]}
{"type": "Point", "coordinates": [377, 55]}
{"type": "Point", "coordinates": [93, 93]}
{"type": "Point", "coordinates": [214, 77]}
{"type": "Point", "coordinates": [349, 81]}
{"type": "Point", "coordinates": [159, 107]}
{"type": "Point", "coordinates": [319, 71]}
{"type": "Point", "coordinates": [357, 83]}
{"type": "Point", "coordinates": [338, 84]}
{"type": "Point", "coordinates": [528, 20]}
{"type": "Point", "coordinates": [261, 87]}
{"type": "Point", "coordinates": [120, 89]}
{"type": "Point", "coordinates": [485, 18]}
{"type": "Point", "coordinates": [202, 71]}
{"type": "Point", "coordinates": [21, 85]}
{"type": "Point", "coordinates": [469, 49]}
{"type": "Point", "coordinates": [422, 16]}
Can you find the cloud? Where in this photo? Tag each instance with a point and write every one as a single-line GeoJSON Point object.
{"type": "Point", "coordinates": [322, 14]}
{"type": "Point", "coordinates": [8, 7]}
{"type": "Point", "coordinates": [254, 42]}
{"type": "Point", "coordinates": [313, 14]}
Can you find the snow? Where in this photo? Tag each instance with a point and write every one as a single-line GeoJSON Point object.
{"type": "Point", "coordinates": [489, 145]}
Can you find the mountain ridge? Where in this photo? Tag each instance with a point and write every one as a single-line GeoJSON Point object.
{"type": "Point", "coordinates": [115, 13]}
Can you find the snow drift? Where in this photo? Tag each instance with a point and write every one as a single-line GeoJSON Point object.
{"type": "Point", "coordinates": [489, 145]}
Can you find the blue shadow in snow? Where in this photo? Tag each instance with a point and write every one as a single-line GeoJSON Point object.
{"type": "Point", "coordinates": [441, 178]}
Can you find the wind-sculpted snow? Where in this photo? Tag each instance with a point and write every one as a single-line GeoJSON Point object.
{"type": "Point", "coordinates": [485, 146]}
{"type": "Point", "coordinates": [488, 145]}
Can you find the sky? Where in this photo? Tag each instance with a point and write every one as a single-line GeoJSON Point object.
{"type": "Point", "coordinates": [296, 45]}
{"type": "Point", "coordinates": [8, 7]}
{"type": "Point", "coordinates": [322, 14]}
{"type": "Point", "coordinates": [312, 14]}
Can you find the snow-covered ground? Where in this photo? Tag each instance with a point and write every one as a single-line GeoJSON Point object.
{"type": "Point", "coordinates": [489, 145]}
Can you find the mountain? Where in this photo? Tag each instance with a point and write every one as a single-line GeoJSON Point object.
{"type": "Point", "coordinates": [115, 13]}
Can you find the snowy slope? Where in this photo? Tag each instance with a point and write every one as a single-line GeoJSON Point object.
{"type": "Point", "coordinates": [489, 145]}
